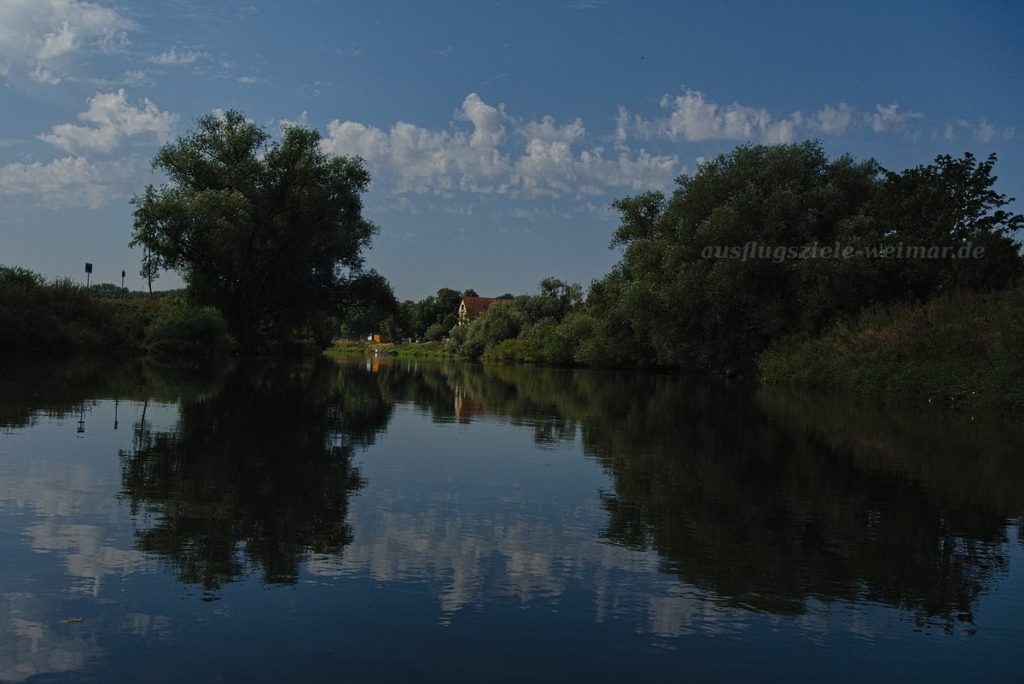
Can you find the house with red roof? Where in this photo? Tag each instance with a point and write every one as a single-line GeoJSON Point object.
{"type": "Point", "coordinates": [473, 307]}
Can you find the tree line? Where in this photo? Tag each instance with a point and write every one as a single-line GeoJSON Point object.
{"type": "Point", "coordinates": [667, 305]}
{"type": "Point", "coordinates": [269, 238]}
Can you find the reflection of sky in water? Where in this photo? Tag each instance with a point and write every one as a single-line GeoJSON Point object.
{"type": "Point", "coordinates": [469, 528]}
{"type": "Point", "coordinates": [500, 520]}
{"type": "Point", "coordinates": [64, 532]}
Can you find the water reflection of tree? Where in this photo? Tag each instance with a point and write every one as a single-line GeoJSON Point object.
{"type": "Point", "coordinates": [767, 503]}
{"type": "Point", "coordinates": [461, 392]}
{"type": "Point", "coordinates": [258, 471]}
{"type": "Point", "coordinates": [31, 387]}
{"type": "Point", "coordinates": [769, 513]}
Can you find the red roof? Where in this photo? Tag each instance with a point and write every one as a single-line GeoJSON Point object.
{"type": "Point", "coordinates": [477, 305]}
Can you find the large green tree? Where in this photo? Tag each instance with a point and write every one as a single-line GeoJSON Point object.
{"type": "Point", "coordinates": [666, 303]}
{"type": "Point", "coordinates": [269, 232]}
{"type": "Point", "coordinates": [950, 204]}
{"type": "Point", "coordinates": [370, 306]}
{"type": "Point", "coordinates": [434, 316]}
{"type": "Point", "coordinates": [681, 297]}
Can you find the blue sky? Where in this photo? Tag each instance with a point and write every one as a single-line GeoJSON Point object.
{"type": "Point", "coordinates": [496, 133]}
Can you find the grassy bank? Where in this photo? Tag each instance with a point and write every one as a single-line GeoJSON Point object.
{"type": "Point", "coordinates": [436, 350]}
{"type": "Point", "coordinates": [59, 317]}
{"type": "Point", "coordinates": [963, 350]}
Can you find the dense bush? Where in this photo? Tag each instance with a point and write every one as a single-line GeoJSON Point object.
{"type": "Point", "coordinates": [516, 350]}
{"type": "Point", "coordinates": [958, 349]}
{"type": "Point", "coordinates": [40, 316]}
{"type": "Point", "coordinates": [61, 316]}
{"type": "Point", "coordinates": [437, 331]}
{"type": "Point", "coordinates": [501, 321]}
{"type": "Point", "coordinates": [545, 328]}
{"type": "Point", "coordinates": [183, 330]}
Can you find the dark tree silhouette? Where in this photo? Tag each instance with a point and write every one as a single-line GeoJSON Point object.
{"type": "Point", "coordinates": [257, 473]}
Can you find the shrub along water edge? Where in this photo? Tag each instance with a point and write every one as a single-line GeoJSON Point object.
{"type": "Point", "coordinates": [40, 316]}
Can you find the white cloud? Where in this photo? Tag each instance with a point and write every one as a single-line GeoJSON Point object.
{"type": "Point", "coordinates": [622, 128]}
{"type": "Point", "coordinates": [111, 120]}
{"type": "Point", "coordinates": [834, 120]}
{"type": "Point", "coordinates": [982, 131]}
{"type": "Point", "coordinates": [692, 117]}
{"type": "Point", "coordinates": [133, 77]}
{"type": "Point", "coordinates": [890, 118]}
{"type": "Point", "coordinates": [484, 149]}
{"type": "Point", "coordinates": [487, 128]}
{"type": "Point", "coordinates": [985, 131]}
{"type": "Point", "coordinates": [303, 120]}
{"type": "Point", "coordinates": [43, 75]}
{"type": "Point", "coordinates": [421, 160]}
{"type": "Point", "coordinates": [71, 181]}
{"type": "Point", "coordinates": [482, 160]}
{"type": "Point", "coordinates": [782, 130]}
{"type": "Point", "coordinates": [546, 130]}
{"type": "Point", "coordinates": [175, 57]}
{"type": "Point", "coordinates": [41, 38]}
{"type": "Point", "coordinates": [551, 168]}
{"type": "Point", "coordinates": [60, 42]}
{"type": "Point", "coordinates": [547, 168]}
{"type": "Point", "coordinates": [130, 78]}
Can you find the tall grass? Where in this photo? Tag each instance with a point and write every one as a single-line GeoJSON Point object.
{"type": "Point", "coordinates": [964, 349]}
{"type": "Point", "coordinates": [40, 316]}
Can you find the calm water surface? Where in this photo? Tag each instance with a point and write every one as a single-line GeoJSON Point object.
{"type": "Point", "coordinates": [385, 521]}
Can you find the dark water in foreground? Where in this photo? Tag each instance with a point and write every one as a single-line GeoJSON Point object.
{"type": "Point", "coordinates": [359, 521]}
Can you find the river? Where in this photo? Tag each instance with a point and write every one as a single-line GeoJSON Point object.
{"type": "Point", "coordinates": [382, 520]}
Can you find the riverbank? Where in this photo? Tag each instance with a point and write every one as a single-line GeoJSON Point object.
{"type": "Point", "coordinates": [61, 317]}
{"type": "Point", "coordinates": [433, 350]}
{"type": "Point", "coordinates": [960, 351]}
{"type": "Point", "coordinates": [963, 351]}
